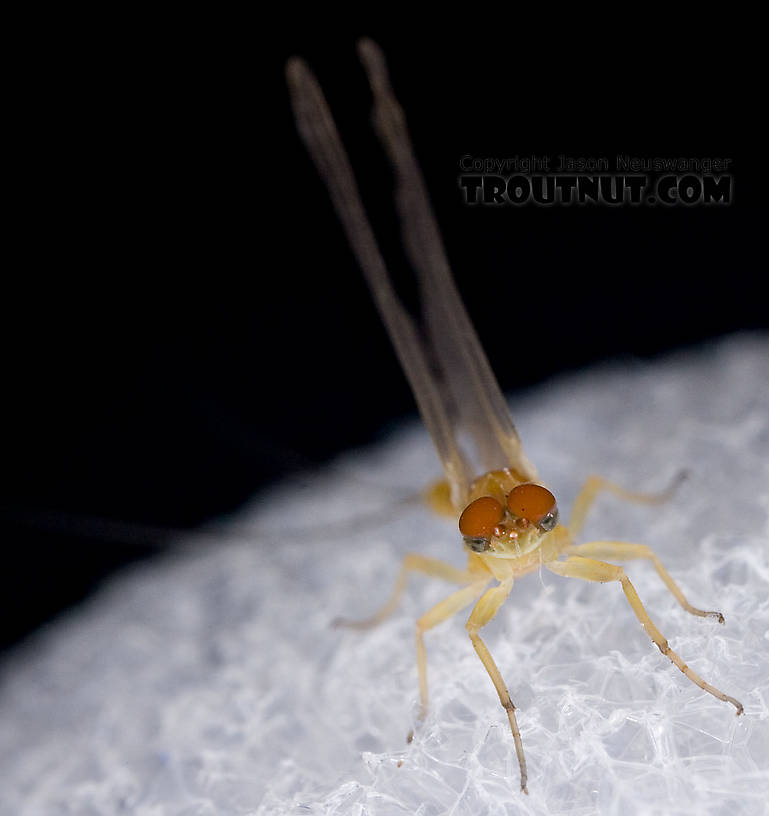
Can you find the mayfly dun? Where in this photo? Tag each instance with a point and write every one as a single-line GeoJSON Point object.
{"type": "Point", "coordinates": [508, 519]}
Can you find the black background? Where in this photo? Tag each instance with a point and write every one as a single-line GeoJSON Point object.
{"type": "Point", "coordinates": [183, 322]}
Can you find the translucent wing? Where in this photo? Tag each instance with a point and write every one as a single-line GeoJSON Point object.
{"type": "Point", "coordinates": [320, 135]}
{"type": "Point", "coordinates": [478, 401]}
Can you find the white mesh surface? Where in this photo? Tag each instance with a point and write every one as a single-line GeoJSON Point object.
{"type": "Point", "coordinates": [211, 682]}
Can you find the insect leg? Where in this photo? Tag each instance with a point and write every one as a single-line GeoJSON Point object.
{"type": "Point", "coordinates": [411, 563]}
{"type": "Point", "coordinates": [622, 550]}
{"type": "Point", "coordinates": [483, 612]}
{"type": "Point", "coordinates": [595, 484]}
{"type": "Point", "coordinates": [442, 611]}
{"type": "Point", "coordinates": [591, 570]}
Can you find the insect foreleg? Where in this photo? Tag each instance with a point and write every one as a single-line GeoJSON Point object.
{"type": "Point", "coordinates": [442, 611]}
{"type": "Point", "coordinates": [484, 611]}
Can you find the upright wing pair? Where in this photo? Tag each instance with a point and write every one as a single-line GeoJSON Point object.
{"type": "Point", "coordinates": [443, 359]}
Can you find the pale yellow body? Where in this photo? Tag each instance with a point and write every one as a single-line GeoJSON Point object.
{"type": "Point", "coordinates": [548, 550]}
{"type": "Point", "coordinates": [455, 389]}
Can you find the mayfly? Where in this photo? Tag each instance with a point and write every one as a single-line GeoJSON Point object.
{"type": "Point", "coordinates": [508, 519]}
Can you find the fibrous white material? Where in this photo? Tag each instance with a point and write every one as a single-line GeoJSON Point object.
{"type": "Point", "coordinates": [211, 682]}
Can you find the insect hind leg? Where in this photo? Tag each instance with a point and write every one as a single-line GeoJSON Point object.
{"type": "Point", "coordinates": [595, 484]}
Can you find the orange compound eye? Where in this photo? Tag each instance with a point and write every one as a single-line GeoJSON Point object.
{"type": "Point", "coordinates": [480, 517]}
{"type": "Point", "coordinates": [534, 503]}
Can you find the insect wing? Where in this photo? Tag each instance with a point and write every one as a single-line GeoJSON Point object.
{"type": "Point", "coordinates": [475, 394]}
{"type": "Point", "coordinates": [319, 133]}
